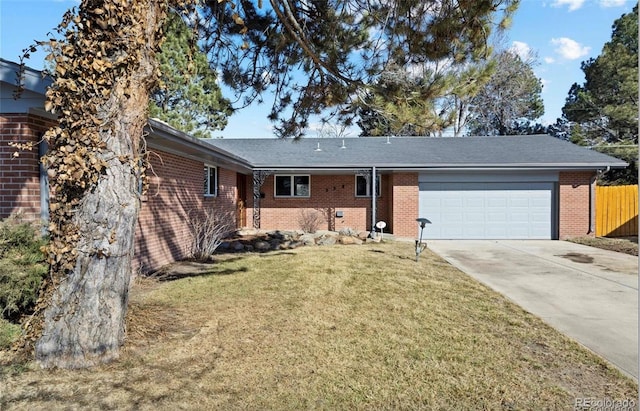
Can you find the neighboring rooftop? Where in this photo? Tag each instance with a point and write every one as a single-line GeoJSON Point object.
{"type": "Point", "coordinates": [537, 151]}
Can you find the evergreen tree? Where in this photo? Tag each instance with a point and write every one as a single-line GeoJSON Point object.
{"type": "Point", "coordinates": [188, 98]}
{"type": "Point", "coordinates": [509, 101]}
{"type": "Point", "coordinates": [603, 112]}
{"type": "Point", "coordinates": [422, 102]}
{"type": "Point", "coordinates": [604, 109]}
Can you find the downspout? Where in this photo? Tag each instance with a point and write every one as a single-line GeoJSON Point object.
{"type": "Point", "coordinates": [373, 201]}
{"type": "Point", "coordinates": [592, 201]}
{"type": "Point", "coordinates": [592, 204]}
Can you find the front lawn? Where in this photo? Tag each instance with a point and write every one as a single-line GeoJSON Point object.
{"type": "Point", "coordinates": [340, 327]}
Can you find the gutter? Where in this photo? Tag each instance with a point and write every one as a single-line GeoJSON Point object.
{"type": "Point", "coordinates": [473, 167]}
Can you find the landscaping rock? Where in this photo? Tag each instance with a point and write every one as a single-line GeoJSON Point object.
{"type": "Point", "coordinates": [308, 239]}
{"type": "Point", "coordinates": [261, 245]}
{"type": "Point", "coordinates": [327, 240]}
{"type": "Point", "coordinates": [248, 232]}
{"type": "Point", "coordinates": [348, 232]}
{"type": "Point", "coordinates": [346, 240]}
{"type": "Point", "coordinates": [295, 244]}
{"type": "Point", "coordinates": [263, 241]}
{"type": "Point", "coordinates": [278, 244]}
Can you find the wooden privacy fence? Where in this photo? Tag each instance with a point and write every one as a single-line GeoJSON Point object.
{"type": "Point", "coordinates": [616, 211]}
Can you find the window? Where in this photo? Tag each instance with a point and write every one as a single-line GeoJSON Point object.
{"type": "Point", "coordinates": [210, 181]}
{"type": "Point", "coordinates": [363, 189]}
{"type": "Point", "coordinates": [292, 186]}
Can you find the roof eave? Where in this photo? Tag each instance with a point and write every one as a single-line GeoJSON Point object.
{"type": "Point", "coordinates": [445, 167]}
{"type": "Point", "coordinates": [166, 138]}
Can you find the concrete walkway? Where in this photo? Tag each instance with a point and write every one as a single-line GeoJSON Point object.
{"type": "Point", "coordinates": [589, 294]}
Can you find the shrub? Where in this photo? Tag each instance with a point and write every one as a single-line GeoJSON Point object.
{"type": "Point", "coordinates": [8, 333]}
{"type": "Point", "coordinates": [22, 268]}
{"type": "Point", "coordinates": [310, 220]}
{"type": "Point", "coordinates": [208, 230]}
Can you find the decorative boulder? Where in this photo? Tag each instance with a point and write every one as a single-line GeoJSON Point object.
{"type": "Point", "coordinates": [347, 232]}
{"type": "Point", "coordinates": [346, 240]}
{"type": "Point", "coordinates": [295, 244]}
{"type": "Point", "coordinates": [327, 240]}
{"type": "Point", "coordinates": [261, 245]}
{"type": "Point", "coordinates": [308, 239]}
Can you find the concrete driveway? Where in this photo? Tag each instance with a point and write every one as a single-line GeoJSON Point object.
{"type": "Point", "coordinates": [590, 295]}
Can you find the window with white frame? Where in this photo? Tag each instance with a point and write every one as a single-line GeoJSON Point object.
{"type": "Point", "coordinates": [292, 186]}
{"type": "Point", "coordinates": [210, 181]}
{"type": "Point", "coordinates": [363, 186]}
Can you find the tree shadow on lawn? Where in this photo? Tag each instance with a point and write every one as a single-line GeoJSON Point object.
{"type": "Point", "coordinates": [191, 268]}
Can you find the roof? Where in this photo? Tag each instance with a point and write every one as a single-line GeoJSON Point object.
{"type": "Point", "coordinates": [405, 153]}
{"type": "Point", "coordinates": [33, 80]}
{"type": "Point", "coordinates": [394, 153]}
{"type": "Point", "coordinates": [32, 95]}
{"type": "Point", "coordinates": [164, 137]}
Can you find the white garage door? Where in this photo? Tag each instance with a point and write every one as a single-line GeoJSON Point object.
{"type": "Point", "coordinates": [487, 210]}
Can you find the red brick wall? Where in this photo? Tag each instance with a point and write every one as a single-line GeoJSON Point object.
{"type": "Point", "coordinates": [405, 204]}
{"type": "Point", "coordinates": [575, 203]}
{"type": "Point", "coordinates": [176, 187]}
{"type": "Point", "coordinates": [329, 193]}
{"type": "Point", "coordinates": [176, 196]}
{"type": "Point", "coordinates": [20, 176]}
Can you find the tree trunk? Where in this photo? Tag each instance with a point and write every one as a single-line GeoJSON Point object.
{"type": "Point", "coordinates": [84, 322]}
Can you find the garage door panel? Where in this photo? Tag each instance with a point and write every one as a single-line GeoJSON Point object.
{"type": "Point", "coordinates": [519, 218]}
{"type": "Point", "coordinates": [497, 201]}
{"type": "Point", "coordinates": [452, 202]}
{"type": "Point", "coordinates": [539, 217]}
{"type": "Point", "coordinates": [496, 217]}
{"type": "Point", "coordinates": [493, 232]}
{"type": "Point", "coordinates": [541, 202]}
{"type": "Point", "coordinates": [490, 210]}
{"type": "Point", "coordinates": [519, 202]}
{"type": "Point", "coordinates": [474, 202]}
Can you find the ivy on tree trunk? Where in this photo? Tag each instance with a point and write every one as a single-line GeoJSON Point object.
{"type": "Point", "coordinates": [104, 71]}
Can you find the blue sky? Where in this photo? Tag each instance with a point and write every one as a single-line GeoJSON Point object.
{"type": "Point", "coordinates": [562, 33]}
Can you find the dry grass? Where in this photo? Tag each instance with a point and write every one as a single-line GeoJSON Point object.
{"type": "Point", "coordinates": [627, 245]}
{"type": "Point", "coordinates": [343, 327]}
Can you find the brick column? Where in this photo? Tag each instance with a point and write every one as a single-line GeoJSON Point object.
{"type": "Point", "coordinates": [575, 203]}
{"type": "Point", "coordinates": [404, 207]}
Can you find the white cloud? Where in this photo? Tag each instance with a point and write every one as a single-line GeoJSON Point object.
{"type": "Point", "coordinates": [573, 4]}
{"type": "Point", "coordinates": [612, 3]}
{"type": "Point", "coordinates": [549, 60]}
{"type": "Point", "coordinates": [569, 49]}
{"type": "Point", "coordinates": [521, 49]}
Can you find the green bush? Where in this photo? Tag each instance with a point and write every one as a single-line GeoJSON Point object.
{"type": "Point", "coordinates": [8, 333]}
{"type": "Point", "coordinates": [22, 267]}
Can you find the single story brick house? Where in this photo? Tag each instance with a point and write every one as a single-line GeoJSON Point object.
{"type": "Point", "coordinates": [520, 187]}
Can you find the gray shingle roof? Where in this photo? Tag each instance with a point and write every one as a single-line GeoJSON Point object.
{"type": "Point", "coordinates": [538, 151]}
